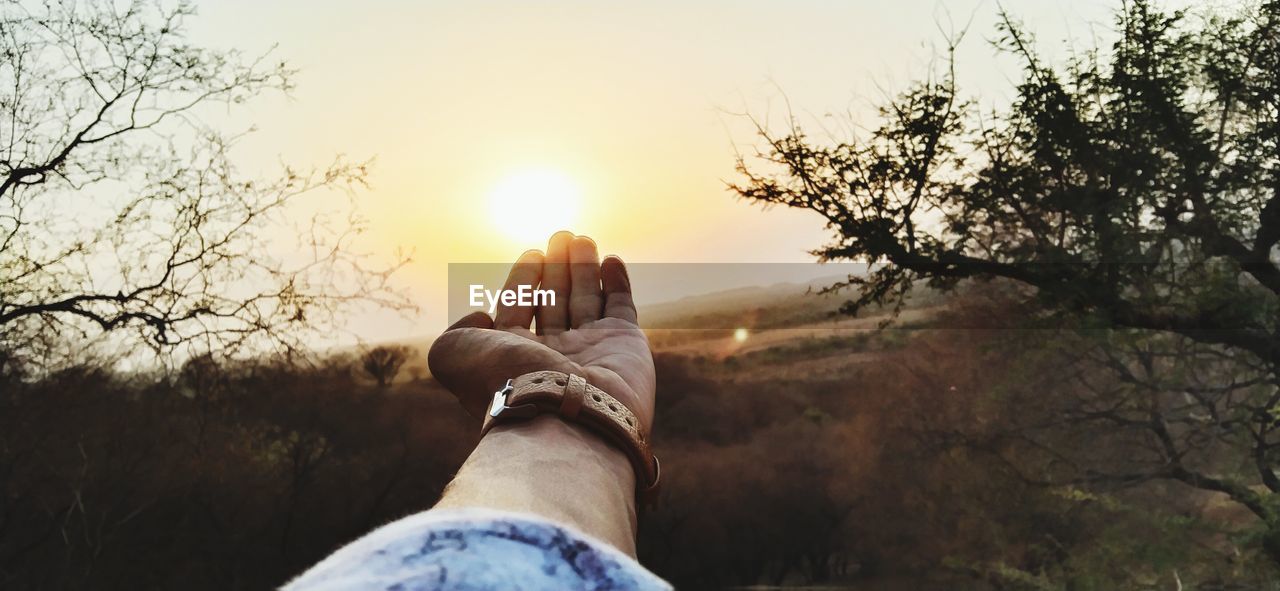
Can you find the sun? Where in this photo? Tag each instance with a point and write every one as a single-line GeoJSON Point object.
{"type": "Point", "coordinates": [528, 206]}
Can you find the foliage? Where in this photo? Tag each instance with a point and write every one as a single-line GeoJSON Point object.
{"type": "Point", "coordinates": [875, 466]}
{"type": "Point", "coordinates": [228, 476]}
{"type": "Point", "coordinates": [1133, 193]}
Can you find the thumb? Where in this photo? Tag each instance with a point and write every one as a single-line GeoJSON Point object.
{"type": "Point", "coordinates": [472, 320]}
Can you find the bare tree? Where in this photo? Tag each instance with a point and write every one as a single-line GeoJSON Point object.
{"type": "Point", "coordinates": [121, 210]}
{"type": "Point", "coordinates": [383, 363]}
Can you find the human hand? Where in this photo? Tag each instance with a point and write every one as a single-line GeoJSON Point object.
{"type": "Point", "coordinates": [590, 331]}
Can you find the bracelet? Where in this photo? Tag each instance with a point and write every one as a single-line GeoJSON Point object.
{"type": "Point", "coordinates": [573, 399]}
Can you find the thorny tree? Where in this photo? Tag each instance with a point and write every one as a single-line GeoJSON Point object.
{"type": "Point", "coordinates": [120, 210]}
{"type": "Point", "coordinates": [1135, 187]}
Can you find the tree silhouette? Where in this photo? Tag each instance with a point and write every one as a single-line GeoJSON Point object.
{"type": "Point", "coordinates": [383, 363]}
{"type": "Point", "coordinates": [1135, 187]}
{"type": "Point", "coordinates": [121, 209]}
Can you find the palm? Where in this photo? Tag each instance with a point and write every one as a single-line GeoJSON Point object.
{"type": "Point", "coordinates": [601, 341]}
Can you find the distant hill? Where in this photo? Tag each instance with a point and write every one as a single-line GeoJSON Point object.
{"type": "Point", "coordinates": [773, 306]}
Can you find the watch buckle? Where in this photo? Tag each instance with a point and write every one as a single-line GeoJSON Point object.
{"type": "Point", "coordinates": [498, 407]}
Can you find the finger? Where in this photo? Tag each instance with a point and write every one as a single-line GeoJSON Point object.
{"type": "Point", "coordinates": [618, 302]}
{"type": "Point", "coordinates": [555, 278]}
{"type": "Point", "coordinates": [584, 275]}
{"type": "Point", "coordinates": [472, 320]}
{"type": "Point", "coordinates": [526, 271]}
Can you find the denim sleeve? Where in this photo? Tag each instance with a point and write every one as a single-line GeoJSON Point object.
{"type": "Point", "coordinates": [476, 550]}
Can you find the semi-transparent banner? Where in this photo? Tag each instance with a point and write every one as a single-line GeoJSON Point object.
{"type": "Point", "coordinates": [757, 296]}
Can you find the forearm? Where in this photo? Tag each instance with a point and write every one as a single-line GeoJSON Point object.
{"type": "Point", "coordinates": [551, 468]}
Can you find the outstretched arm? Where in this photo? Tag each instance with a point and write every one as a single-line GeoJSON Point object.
{"type": "Point", "coordinates": [566, 480]}
{"type": "Point", "coordinates": [547, 466]}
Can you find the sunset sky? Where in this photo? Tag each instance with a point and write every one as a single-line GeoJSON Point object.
{"type": "Point", "coordinates": [620, 117]}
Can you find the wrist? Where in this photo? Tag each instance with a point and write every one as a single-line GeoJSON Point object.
{"type": "Point", "coordinates": [571, 398]}
{"type": "Point", "coordinates": [549, 467]}
{"type": "Point", "coordinates": [555, 440]}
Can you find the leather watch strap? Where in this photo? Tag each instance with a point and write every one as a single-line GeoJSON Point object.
{"type": "Point", "coordinates": [576, 401]}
